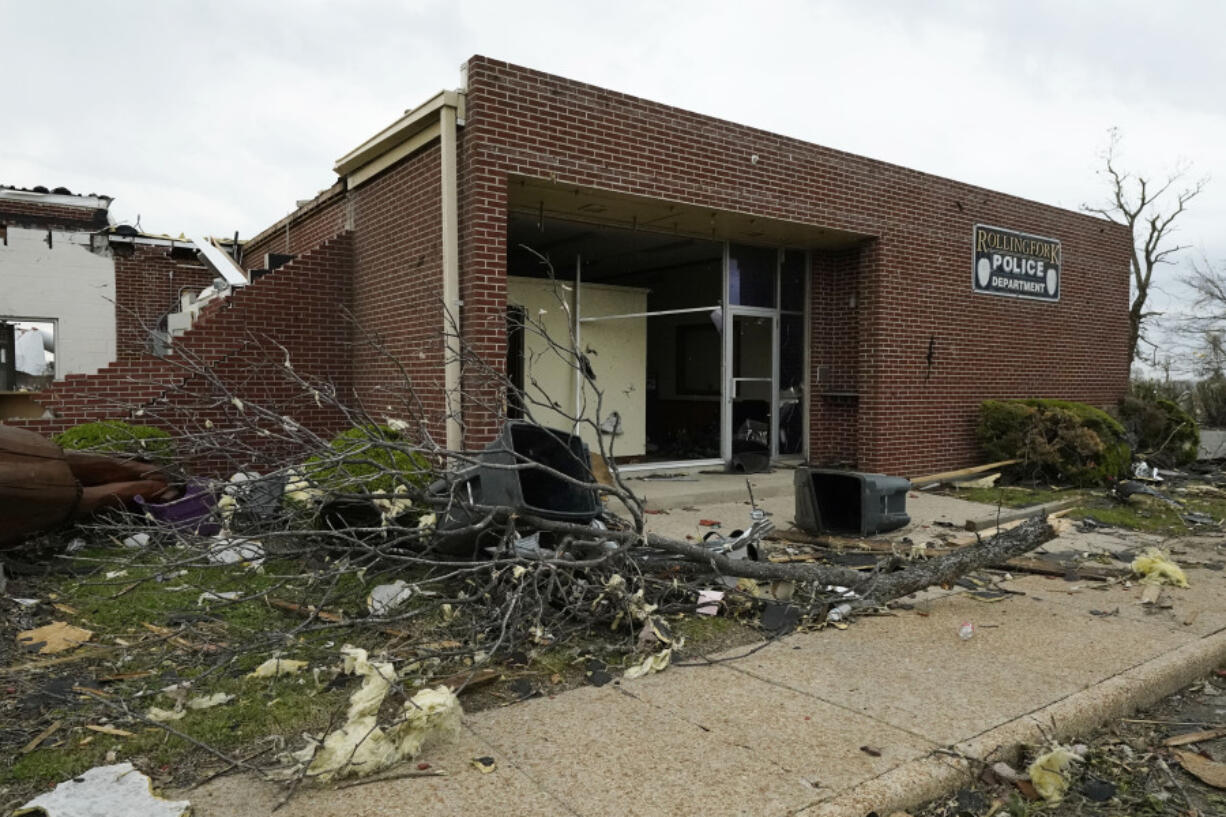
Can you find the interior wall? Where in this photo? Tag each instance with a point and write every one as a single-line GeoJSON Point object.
{"type": "Point", "coordinates": [55, 275]}
{"type": "Point", "coordinates": [618, 357]}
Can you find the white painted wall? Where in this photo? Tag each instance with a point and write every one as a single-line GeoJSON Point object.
{"type": "Point", "coordinates": [66, 282]}
{"type": "Point", "coordinates": [620, 362]}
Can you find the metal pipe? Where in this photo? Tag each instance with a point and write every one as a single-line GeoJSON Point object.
{"type": "Point", "coordinates": [451, 272]}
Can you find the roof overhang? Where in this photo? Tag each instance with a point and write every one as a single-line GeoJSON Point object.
{"type": "Point", "coordinates": [418, 127]}
{"type": "Point", "coordinates": [604, 207]}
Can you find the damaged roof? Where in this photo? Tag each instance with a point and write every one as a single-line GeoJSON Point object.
{"type": "Point", "coordinates": [53, 208]}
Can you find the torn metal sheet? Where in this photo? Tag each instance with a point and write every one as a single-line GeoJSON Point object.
{"type": "Point", "coordinates": [105, 790]}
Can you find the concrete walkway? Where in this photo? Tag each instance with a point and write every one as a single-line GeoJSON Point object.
{"type": "Point", "coordinates": [780, 731]}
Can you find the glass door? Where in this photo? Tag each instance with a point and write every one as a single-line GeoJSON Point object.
{"type": "Point", "coordinates": [750, 350]}
{"type": "Point", "coordinates": [763, 327]}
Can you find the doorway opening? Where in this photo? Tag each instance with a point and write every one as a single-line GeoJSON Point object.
{"type": "Point", "coordinates": [697, 345]}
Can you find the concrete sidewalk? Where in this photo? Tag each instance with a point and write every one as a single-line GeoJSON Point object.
{"type": "Point", "coordinates": [779, 730]}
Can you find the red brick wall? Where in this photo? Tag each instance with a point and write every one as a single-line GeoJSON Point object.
{"type": "Point", "coordinates": [913, 284]}
{"type": "Point", "coordinates": [148, 281]}
{"type": "Point", "coordinates": [834, 347]}
{"type": "Point", "coordinates": [57, 216]}
{"type": "Point", "coordinates": [239, 349]}
{"type": "Point", "coordinates": [397, 285]}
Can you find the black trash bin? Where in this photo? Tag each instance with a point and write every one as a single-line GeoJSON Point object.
{"type": "Point", "coordinates": [851, 502]}
{"type": "Point", "coordinates": [532, 489]}
{"type": "Point", "coordinates": [528, 488]}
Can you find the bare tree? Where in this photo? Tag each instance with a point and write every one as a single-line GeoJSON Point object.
{"type": "Point", "coordinates": [1149, 211]}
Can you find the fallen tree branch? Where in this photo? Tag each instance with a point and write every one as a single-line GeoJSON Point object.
{"type": "Point", "coordinates": [875, 588]}
{"type": "Point", "coordinates": [883, 587]}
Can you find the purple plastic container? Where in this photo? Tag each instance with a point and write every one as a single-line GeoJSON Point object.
{"type": "Point", "coordinates": [190, 513]}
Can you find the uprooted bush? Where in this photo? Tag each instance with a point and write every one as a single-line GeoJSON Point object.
{"type": "Point", "coordinates": [1161, 432]}
{"type": "Point", "coordinates": [116, 437]}
{"type": "Point", "coordinates": [369, 459]}
{"type": "Point", "coordinates": [1056, 440]}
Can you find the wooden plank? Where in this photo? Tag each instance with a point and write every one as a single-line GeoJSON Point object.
{"type": "Point", "coordinates": [947, 476]}
{"type": "Point", "coordinates": [1020, 513]}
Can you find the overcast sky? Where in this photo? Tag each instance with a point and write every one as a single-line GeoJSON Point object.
{"type": "Point", "coordinates": [216, 116]}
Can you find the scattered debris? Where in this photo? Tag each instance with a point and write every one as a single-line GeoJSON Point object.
{"type": "Point", "coordinates": [58, 636]}
{"type": "Point", "coordinates": [212, 595]}
{"type": "Point", "coordinates": [708, 602]}
{"type": "Point", "coordinates": [484, 764]}
{"type": "Point", "coordinates": [209, 701]}
{"type": "Point", "coordinates": [109, 730]}
{"type": "Point", "coordinates": [233, 551]}
{"type": "Point", "coordinates": [275, 667]}
{"type": "Point", "coordinates": [1155, 567]}
{"type": "Point", "coordinates": [596, 672]}
{"type": "Point", "coordinates": [1209, 771]}
{"type": "Point", "coordinates": [988, 481]}
{"type": "Point", "coordinates": [1048, 773]}
{"type": "Point", "coordinates": [657, 662]}
{"type": "Point", "coordinates": [1100, 791]}
{"type": "Point", "coordinates": [136, 540]}
{"type": "Point", "coordinates": [105, 790]}
{"type": "Point", "coordinates": [156, 713]}
{"type": "Point", "coordinates": [387, 597]}
{"type": "Point", "coordinates": [779, 618]}
{"type": "Point", "coordinates": [1195, 737]}
{"type": "Point", "coordinates": [38, 739]}
{"type": "Point", "coordinates": [361, 747]}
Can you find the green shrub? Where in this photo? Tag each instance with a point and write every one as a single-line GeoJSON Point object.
{"type": "Point", "coordinates": [1211, 401]}
{"type": "Point", "coordinates": [118, 437]}
{"type": "Point", "coordinates": [369, 460]}
{"type": "Point", "coordinates": [1162, 433]}
{"type": "Point", "coordinates": [1055, 439]}
{"type": "Point", "coordinates": [1178, 391]}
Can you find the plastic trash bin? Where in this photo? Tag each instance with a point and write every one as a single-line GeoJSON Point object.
{"type": "Point", "coordinates": [190, 513]}
{"type": "Point", "coordinates": [833, 501]}
{"type": "Point", "coordinates": [529, 489]}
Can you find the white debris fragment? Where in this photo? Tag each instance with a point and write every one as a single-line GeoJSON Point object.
{"type": "Point", "coordinates": [392, 507]}
{"type": "Point", "coordinates": [116, 574]}
{"type": "Point", "coordinates": [232, 551]}
{"type": "Point", "coordinates": [361, 746]}
{"type": "Point", "coordinates": [275, 667]}
{"type": "Point", "coordinates": [136, 540]}
{"type": "Point", "coordinates": [298, 489]}
{"type": "Point", "coordinates": [105, 790]}
{"type": "Point", "coordinates": [387, 597]}
{"type": "Point", "coordinates": [708, 602]}
{"type": "Point", "coordinates": [652, 663]}
{"type": "Point", "coordinates": [210, 701]}
{"type": "Point", "coordinates": [210, 595]}
{"type": "Point", "coordinates": [156, 713]}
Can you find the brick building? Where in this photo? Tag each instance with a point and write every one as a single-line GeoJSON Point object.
{"type": "Point", "coordinates": [720, 279]}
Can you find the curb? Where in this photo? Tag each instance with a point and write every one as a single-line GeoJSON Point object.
{"type": "Point", "coordinates": [919, 781]}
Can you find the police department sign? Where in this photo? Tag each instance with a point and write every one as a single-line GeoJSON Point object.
{"type": "Point", "coordinates": [1015, 264]}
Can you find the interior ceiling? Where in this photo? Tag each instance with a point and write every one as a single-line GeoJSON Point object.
{"type": "Point", "coordinates": [613, 255]}
{"type": "Point", "coordinates": [540, 199]}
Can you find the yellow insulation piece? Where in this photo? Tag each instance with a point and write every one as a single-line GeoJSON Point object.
{"type": "Point", "coordinates": [1155, 567]}
{"type": "Point", "coordinates": [1048, 773]}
